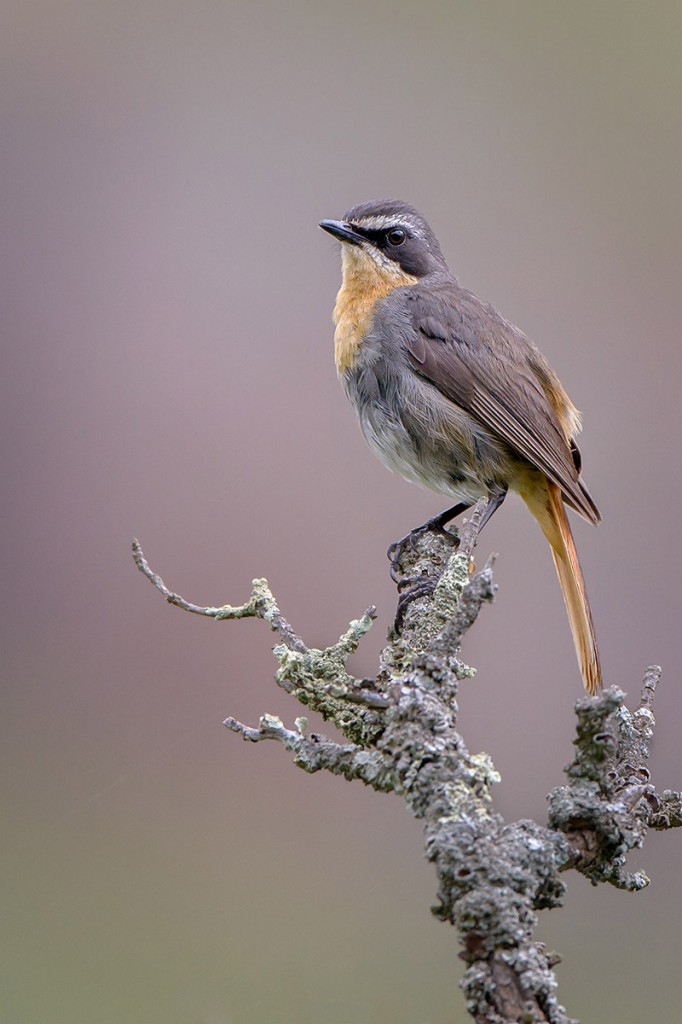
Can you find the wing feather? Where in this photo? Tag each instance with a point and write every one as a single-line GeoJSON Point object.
{"type": "Point", "coordinates": [484, 365]}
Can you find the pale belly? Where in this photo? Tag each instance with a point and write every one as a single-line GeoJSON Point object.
{"type": "Point", "coordinates": [441, 467]}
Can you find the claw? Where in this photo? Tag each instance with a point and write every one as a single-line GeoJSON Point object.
{"type": "Point", "coordinates": [397, 548]}
{"type": "Point", "coordinates": [419, 587]}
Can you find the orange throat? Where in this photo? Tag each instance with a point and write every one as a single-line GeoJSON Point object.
{"type": "Point", "coordinates": [365, 282]}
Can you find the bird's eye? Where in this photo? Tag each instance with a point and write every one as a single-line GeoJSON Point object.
{"type": "Point", "coordinates": [396, 237]}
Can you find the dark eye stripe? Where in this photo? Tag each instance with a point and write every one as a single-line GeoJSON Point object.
{"type": "Point", "coordinates": [378, 236]}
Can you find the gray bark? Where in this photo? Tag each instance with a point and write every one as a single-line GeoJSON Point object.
{"type": "Point", "coordinates": [401, 727]}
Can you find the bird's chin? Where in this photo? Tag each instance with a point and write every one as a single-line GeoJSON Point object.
{"type": "Point", "coordinates": [368, 262]}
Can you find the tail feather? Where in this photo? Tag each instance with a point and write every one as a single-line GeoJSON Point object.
{"type": "Point", "coordinates": [547, 506]}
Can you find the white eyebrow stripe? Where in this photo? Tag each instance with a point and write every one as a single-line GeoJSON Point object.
{"type": "Point", "coordinates": [377, 223]}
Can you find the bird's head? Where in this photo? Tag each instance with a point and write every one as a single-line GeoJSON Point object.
{"type": "Point", "coordinates": [387, 238]}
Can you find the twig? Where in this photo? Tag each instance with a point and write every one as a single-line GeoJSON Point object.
{"type": "Point", "coordinates": [146, 570]}
{"type": "Point", "coordinates": [270, 728]}
{"type": "Point", "coordinates": [471, 527]}
{"type": "Point", "coordinates": [317, 678]}
{"type": "Point", "coordinates": [260, 605]}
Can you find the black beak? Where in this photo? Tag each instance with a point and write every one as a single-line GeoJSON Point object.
{"type": "Point", "coordinates": [344, 232]}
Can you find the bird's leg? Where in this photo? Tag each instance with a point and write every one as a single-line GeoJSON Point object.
{"type": "Point", "coordinates": [496, 496]}
{"type": "Point", "coordinates": [435, 525]}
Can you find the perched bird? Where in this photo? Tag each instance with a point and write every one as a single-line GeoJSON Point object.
{"type": "Point", "coordinates": [451, 395]}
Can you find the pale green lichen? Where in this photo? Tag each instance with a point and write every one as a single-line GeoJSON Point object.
{"type": "Point", "coordinates": [348, 642]}
{"type": "Point", "coordinates": [486, 770]}
{"type": "Point", "coordinates": [470, 792]}
{"type": "Point", "coordinates": [448, 592]}
{"type": "Point", "coordinates": [261, 603]}
{"type": "Point", "coordinates": [461, 805]}
{"type": "Point", "coordinates": [319, 679]}
{"type": "Point", "coordinates": [429, 615]}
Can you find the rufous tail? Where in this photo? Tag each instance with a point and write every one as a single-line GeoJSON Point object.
{"type": "Point", "coordinates": [547, 505]}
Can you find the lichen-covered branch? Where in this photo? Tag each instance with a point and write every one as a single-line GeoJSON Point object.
{"type": "Point", "coordinates": [493, 876]}
{"type": "Point", "coordinates": [610, 803]}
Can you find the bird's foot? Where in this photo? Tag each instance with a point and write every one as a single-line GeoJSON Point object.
{"type": "Point", "coordinates": [399, 547]}
{"type": "Point", "coordinates": [415, 587]}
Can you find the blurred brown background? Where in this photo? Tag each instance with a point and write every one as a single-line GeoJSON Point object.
{"type": "Point", "coordinates": [168, 373]}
